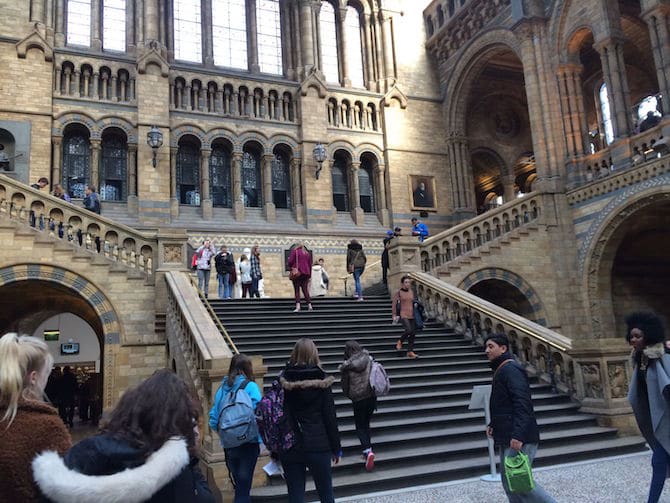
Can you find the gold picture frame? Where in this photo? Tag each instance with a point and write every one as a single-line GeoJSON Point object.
{"type": "Point", "coordinates": [422, 198]}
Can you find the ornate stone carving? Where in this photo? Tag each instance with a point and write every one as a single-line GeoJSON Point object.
{"type": "Point", "coordinates": [172, 253]}
{"type": "Point", "coordinates": [618, 379]}
{"type": "Point", "coordinates": [593, 387]}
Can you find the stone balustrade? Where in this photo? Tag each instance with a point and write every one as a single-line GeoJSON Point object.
{"type": "Point", "coordinates": [83, 77]}
{"type": "Point", "coordinates": [468, 236]}
{"type": "Point", "coordinates": [78, 226]}
{"type": "Point", "coordinates": [546, 353]}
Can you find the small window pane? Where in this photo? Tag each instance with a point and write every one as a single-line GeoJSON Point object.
{"type": "Point", "coordinates": [607, 115]}
{"type": "Point", "coordinates": [114, 25]}
{"type": "Point", "coordinates": [229, 30]}
{"type": "Point", "coordinates": [352, 25]}
{"type": "Point", "coordinates": [281, 182]}
{"type": "Point", "coordinates": [187, 34]}
{"type": "Point", "coordinates": [79, 22]}
{"type": "Point", "coordinates": [269, 36]}
{"type": "Point", "coordinates": [329, 63]}
{"type": "Point", "coordinates": [251, 180]}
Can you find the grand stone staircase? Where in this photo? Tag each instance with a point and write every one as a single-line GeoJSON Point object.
{"type": "Point", "coordinates": [423, 431]}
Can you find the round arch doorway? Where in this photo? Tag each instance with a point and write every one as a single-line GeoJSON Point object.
{"type": "Point", "coordinates": [505, 295]}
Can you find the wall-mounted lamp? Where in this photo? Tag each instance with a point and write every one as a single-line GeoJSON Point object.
{"type": "Point", "coordinates": [155, 141]}
{"type": "Point", "coordinates": [319, 154]}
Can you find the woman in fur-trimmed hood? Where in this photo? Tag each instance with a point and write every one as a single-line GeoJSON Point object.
{"type": "Point", "coordinates": [648, 392]}
{"type": "Point", "coordinates": [146, 452]}
{"type": "Point", "coordinates": [308, 399]}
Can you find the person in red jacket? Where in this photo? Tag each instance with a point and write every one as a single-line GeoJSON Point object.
{"type": "Point", "coordinates": [300, 262]}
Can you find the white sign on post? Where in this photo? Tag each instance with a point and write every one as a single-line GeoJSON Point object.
{"type": "Point", "coordinates": [480, 400]}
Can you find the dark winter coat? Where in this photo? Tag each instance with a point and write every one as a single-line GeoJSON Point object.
{"type": "Point", "coordinates": [512, 414]}
{"type": "Point", "coordinates": [224, 264]}
{"type": "Point", "coordinates": [355, 374]}
{"type": "Point", "coordinates": [309, 397]}
{"type": "Point", "coordinates": [356, 255]}
{"type": "Point", "coordinates": [35, 428]}
{"type": "Point", "coordinates": [168, 475]}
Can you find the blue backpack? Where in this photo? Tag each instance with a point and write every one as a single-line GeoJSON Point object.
{"type": "Point", "coordinates": [237, 421]}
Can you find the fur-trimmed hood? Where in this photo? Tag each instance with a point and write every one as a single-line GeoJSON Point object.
{"type": "Point", "coordinates": [132, 485]}
{"type": "Point", "coordinates": [300, 377]}
{"type": "Point", "coordinates": [653, 352]}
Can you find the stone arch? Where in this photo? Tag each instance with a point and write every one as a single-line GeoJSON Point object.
{"type": "Point", "coordinates": [221, 133]}
{"type": "Point", "coordinates": [187, 129]}
{"type": "Point", "coordinates": [341, 145]}
{"type": "Point", "coordinates": [122, 124]}
{"type": "Point", "coordinates": [570, 46]}
{"type": "Point", "coordinates": [558, 27]}
{"type": "Point", "coordinates": [64, 120]}
{"type": "Point", "coordinates": [371, 149]}
{"type": "Point", "coordinates": [596, 249]}
{"type": "Point", "coordinates": [469, 66]}
{"type": "Point", "coordinates": [110, 329]}
{"type": "Point", "coordinates": [255, 137]}
{"type": "Point", "coordinates": [514, 280]}
{"type": "Point", "coordinates": [283, 139]}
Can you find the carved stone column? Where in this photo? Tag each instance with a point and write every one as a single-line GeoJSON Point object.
{"type": "Point", "coordinates": [131, 41]}
{"type": "Point", "coordinates": [57, 159]}
{"type": "Point", "coordinates": [508, 187]}
{"type": "Point", "coordinates": [368, 45]}
{"type": "Point", "coordinates": [37, 11]}
{"type": "Point", "coordinates": [205, 192]}
{"type": "Point", "coordinates": [59, 37]}
{"type": "Point", "coordinates": [460, 175]}
{"type": "Point", "coordinates": [382, 204]}
{"type": "Point", "coordinates": [174, 197]}
{"type": "Point", "coordinates": [270, 209]}
{"type": "Point", "coordinates": [356, 211]}
{"type": "Point", "coordinates": [614, 74]}
{"type": "Point", "coordinates": [151, 21]}
{"type": "Point", "coordinates": [132, 179]}
{"type": "Point", "coordinates": [344, 56]}
{"type": "Point", "coordinates": [296, 191]}
{"type": "Point", "coordinates": [95, 163]}
{"type": "Point", "coordinates": [306, 36]}
{"type": "Point", "coordinates": [387, 42]}
{"type": "Point", "coordinates": [657, 20]}
{"type": "Point", "coordinates": [207, 41]}
{"type": "Point", "coordinates": [574, 119]}
{"type": "Point", "coordinates": [238, 202]}
{"type": "Point", "coordinates": [252, 37]}
{"type": "Point", "coordinates": [96, 25]}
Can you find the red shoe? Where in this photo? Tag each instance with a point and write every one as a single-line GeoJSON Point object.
{"type": "Point", "coordinates": [370, 461]}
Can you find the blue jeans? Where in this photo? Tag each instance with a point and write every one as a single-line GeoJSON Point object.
{"type": "Point", "coordinates": [536, 495]}
{"type": "Point", "coordinates": [225, 288]}
{"type": "Point", "coordinates": [254, 287]}
{"type": "Point", "coordinates": [203, 281]}
{"type": "Point", "coordinates": [295, 464]}
{"type": "Point", "coordinates": [357, 281]}
{"type": "Point", "coordinates": [660, 460]}
{"type": "Point", "coordinates": [241, 462]}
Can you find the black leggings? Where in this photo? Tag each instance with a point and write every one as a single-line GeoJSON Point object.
{"type": "Point", "coordinates": [363, 410]}
{"type": "Point", "coordinates": [410, 331]}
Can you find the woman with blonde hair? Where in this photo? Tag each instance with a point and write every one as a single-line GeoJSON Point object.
{"type": "Point", "coordinates": [308, 399]}
{"type": "Point", "coordinates": [28, 425]}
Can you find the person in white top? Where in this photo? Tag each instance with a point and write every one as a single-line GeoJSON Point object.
{"type": "Point", "coordinates": [318, 286]}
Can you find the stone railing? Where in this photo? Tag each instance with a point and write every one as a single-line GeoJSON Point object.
{"type": "Point", "coordinates": [78, 226]}
{"type": "Point", "coordinates": [543, 351]}
{"type": "Point", "coordinates": [77, 77]}
{"type": "Point", "coordinates": [619, 179]}
{"type": "Point", "coordinates": [468, 236]}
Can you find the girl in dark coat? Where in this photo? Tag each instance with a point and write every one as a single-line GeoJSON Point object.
{"type": "Point", "coordinates": [309, 400]}
{"type": "Point", "coordinates": [355, 372]}
{"type": "Point", "coordinates": [146, 451]}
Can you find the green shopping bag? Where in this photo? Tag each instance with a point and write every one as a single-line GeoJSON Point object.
{"type": "Point", "coordinates": [518, 473]}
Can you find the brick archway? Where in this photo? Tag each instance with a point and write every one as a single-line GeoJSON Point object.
{"type": "Point", "coordinates": [109, 330]}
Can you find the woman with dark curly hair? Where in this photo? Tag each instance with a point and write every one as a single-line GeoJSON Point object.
{"type": "Point", "coordinates": [145, 452]}
{"type": "Point", "coordinates": [649, 388]}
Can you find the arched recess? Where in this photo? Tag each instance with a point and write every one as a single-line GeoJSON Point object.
{"type": "Point", "coordinates": [7, 149]}
{"type": "Point", "coordinates": [341, 180]}
{"type": "Point", "coordinates": [625, 259]}
{"type": "Point", "coordinates": [488, 171]}
{"type": "Point", "coordinates": [32, 293]}
{"type": "Point", "coordinates": [507, 290]}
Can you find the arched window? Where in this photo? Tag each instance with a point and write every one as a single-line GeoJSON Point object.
{"type": "Point", "coordinates": [269, 37]}
{"type": "Point", "coordinates": [440, 16]}
{"type": "Point", "coordinates": [187, 30]}
{"type": "Point", "coordinates": [114, 168]}
{"type": "Point", "coordinates": [340, 186]}
{"type": "Point", "coordinates": [352, 25]}
{"type": "Point", "coordinates": [76, 162]}
{"type": "Point", "coordinates": [188, 173]}
{"type": "Point", "coordinates": [79, 22]}
{"type": "Point", "coordinates": [281, 181]}
{"type": "Point", "coordinates": [229, 33]}
{"type": "Point", "coordinates": [366, 189]}
{"type": "Point", "coordinates": [251, 179]}
{"type": "Point", "coordinates": [219, 176]}
{"type": "Point", "coordinates": [328, 40]}
{"type": "Point", "coordinates": [607, 115]}
{"type": "Point", "coordinates": [114, 25]}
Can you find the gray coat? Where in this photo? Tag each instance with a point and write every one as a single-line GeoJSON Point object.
{"type": "Point", "coordinates": [653, 417]}
{"type": "Point", "coordinates": [356, 376]}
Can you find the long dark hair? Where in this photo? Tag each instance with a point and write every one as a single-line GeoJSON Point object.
{"type": "Point", "coordinates": [153, 411]}
{"type": "Point", "coordinates": [240, 364]}
{"type": "Point", "coordinates": [351, 348]}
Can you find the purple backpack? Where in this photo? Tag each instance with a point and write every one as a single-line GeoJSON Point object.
{"type": "Point", "coordinates": [274, 423]}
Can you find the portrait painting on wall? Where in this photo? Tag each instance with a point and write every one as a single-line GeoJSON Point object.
{"type": "Point", "coordinates": [422, 192]}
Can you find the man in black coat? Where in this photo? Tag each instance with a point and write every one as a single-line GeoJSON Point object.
{"type": "Point", "coordinates": [513, 426]}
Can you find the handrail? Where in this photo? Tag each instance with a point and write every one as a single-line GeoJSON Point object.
{"type": "Point", "coordinates": [215, 318]}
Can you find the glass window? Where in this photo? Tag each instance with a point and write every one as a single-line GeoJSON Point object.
{"type": "Point", "coordinates": [251, 180]}
{"type": "Point", "coordinates": [187, 31]}
{"type": "Point", "coordinates": [366, 190]}
{"type": "Point", "coordinates": [352, 25]}
{"type": "Point", "coordinates": [114, 25]}
{"type": "Point", "coordinates": [328, 39]}
{"type": "Point", "coordinates": [269, 36]}
{"type": "Point", "coordinates": [219, 176]}
{"type": "Point", "coordinates": [281, 181]}
{"type": "Point", "coordinates": [188, 174]}
{"type": "Point", "coordinates": [607, 115]}
{"type": "Point", "coordinates": [113, 181]}
{"type": "Point", "coordinates": [340, 196]}
{"type": "Point", "coordinates": [79, 22]}
{"type": "Point", "coordinates": [76, 165]}
{"type": "Point", "coordinates": [229, 33]}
